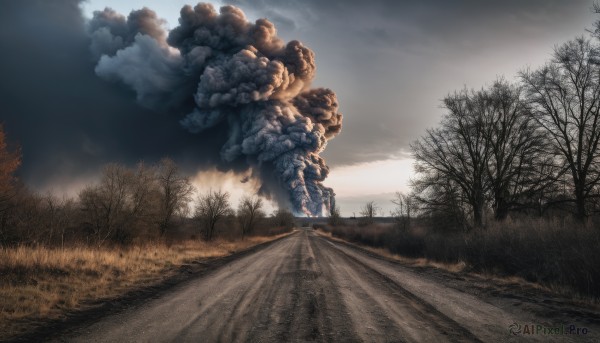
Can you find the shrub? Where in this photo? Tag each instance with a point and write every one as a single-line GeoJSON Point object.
{"type": "Point", "coordinates": [556, 253]}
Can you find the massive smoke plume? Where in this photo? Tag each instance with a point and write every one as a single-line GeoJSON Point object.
{"type": "Point", "coordinates": [219, 69]}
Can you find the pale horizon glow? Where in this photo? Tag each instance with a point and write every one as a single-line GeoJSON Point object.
{"type": "Point", "coordinates": [376, 177]}
{"type": "Point", "coordinates": [205, 181]}
{"type": "Point", "coordinates": [377, 181]}
{"type": "Point", "coordinates": [354, 185]}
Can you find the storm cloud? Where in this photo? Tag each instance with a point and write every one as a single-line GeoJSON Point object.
{"type": "Point", "coordinates": [67, 120]}
{"type": "Point", "coordinates": [217, 90]}
{"type": "Point", "coordinates": [391, 62]}
{"type": "Point", "coordinates": [239, 74]}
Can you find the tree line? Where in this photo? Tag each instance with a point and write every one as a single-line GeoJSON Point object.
{"type": "Point", "coordinates": [525, 148]}
{"type": "Point", "coordinates": [126, 205]}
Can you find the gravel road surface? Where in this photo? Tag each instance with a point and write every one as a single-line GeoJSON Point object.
{"type": "Point", "coordinates": [307, 288]}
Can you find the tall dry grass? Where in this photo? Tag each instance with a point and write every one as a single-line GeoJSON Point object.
{"type": "Point", "coordinates": [38, 283]}
{"type": "Point", "coordinates": [559, 254]}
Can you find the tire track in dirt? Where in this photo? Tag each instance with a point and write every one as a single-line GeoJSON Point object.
{"type": "Point", "coordinates": [404, 314]}
{"type": "Point", "coordinates": [305, 288]}
{"type": "Point", "coordinates": [486, 319]}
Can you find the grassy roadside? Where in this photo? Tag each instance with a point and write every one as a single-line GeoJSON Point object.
{"type": "Point", "coordinates": [413, 262]}
{"type": "Point", "coordinates": [40, 284]}
{"type": "Point", "coordinates": [465, 269]}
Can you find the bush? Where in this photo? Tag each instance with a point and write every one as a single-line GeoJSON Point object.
{"type": "Point", "coordinates": [550, 252]}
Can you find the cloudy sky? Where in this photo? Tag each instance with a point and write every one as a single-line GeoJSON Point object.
{"type": "Point", "coordinates": [390, 63]}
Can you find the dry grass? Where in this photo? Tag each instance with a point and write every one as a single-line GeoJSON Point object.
{"type": "Point", "coordinates": [460, 267]}
{"type": "Point", "coordinates": [45, 283]}
{"type": "Point", "coordinates": [414, 262]}
{"type": "Point", "coordinates": [457, 267]}
{"type": "Point", "coordinates": [559, 254]}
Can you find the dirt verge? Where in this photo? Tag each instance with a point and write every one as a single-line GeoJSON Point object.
{"type": "Point", "coordinates": [93, 310]}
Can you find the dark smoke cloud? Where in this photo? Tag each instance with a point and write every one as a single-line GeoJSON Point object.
{"type": "Point", "coordinates": [392, 61]}
{"type": "Point", "coordinates": [239, 74]}
{"type": "Point", "coordinates": [112, 31]}
{"type": "Point", "coordinates": [67, 120]}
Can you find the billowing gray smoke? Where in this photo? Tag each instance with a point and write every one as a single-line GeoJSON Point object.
{"type": "Point", "coordinates": [219, 68]}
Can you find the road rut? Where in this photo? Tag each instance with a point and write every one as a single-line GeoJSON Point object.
{"type": "Point", "coordinates": [306, 288]}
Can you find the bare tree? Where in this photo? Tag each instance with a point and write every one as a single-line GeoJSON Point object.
{"type": "Point", "coordinates": [66, 218]}
{"type": "Point", "coordinates": [210, 208]}
{"type": "Point", "coordinates": [175, 193]}
{"type": "Point", "coordinates": [24, 219]}
{"type": "Point", "coordinates": [405, 206]}
{"type": "Point", "coordinates": [369, 212]}
{"type": "Point", "coordinates": [10, 160]}
{"type": "Point", "coordinates": [489, 149]}
{"type": "Point", "coordinates": [565, 100]}
{"type": "Point", "coordinates": [250, 213]}
{"type": "Point", "coordinates": [335, 217]}
{"type": "Point", "coordinates": [57, 215]}
{"type": "Point", "coordinates": [458, 151]}
{"type": "Point", "coordinates": [441, 201]}
{"type": "Point", "coordinates": [114, 206]}
{"type": "Point", "coordinates": [141, 204]}
{"type": "Point", "coordinates": [517, 149]}
{"type": "Point", "coordinates": [104, 204]}
{"type": "Point", "coordinates": [283, 218]}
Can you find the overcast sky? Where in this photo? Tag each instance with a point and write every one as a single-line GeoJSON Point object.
{"type": "Point", "coordinates": [390, 63]}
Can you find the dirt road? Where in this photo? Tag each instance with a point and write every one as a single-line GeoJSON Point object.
{"type": "Point", "coordinates": [308, 288]}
